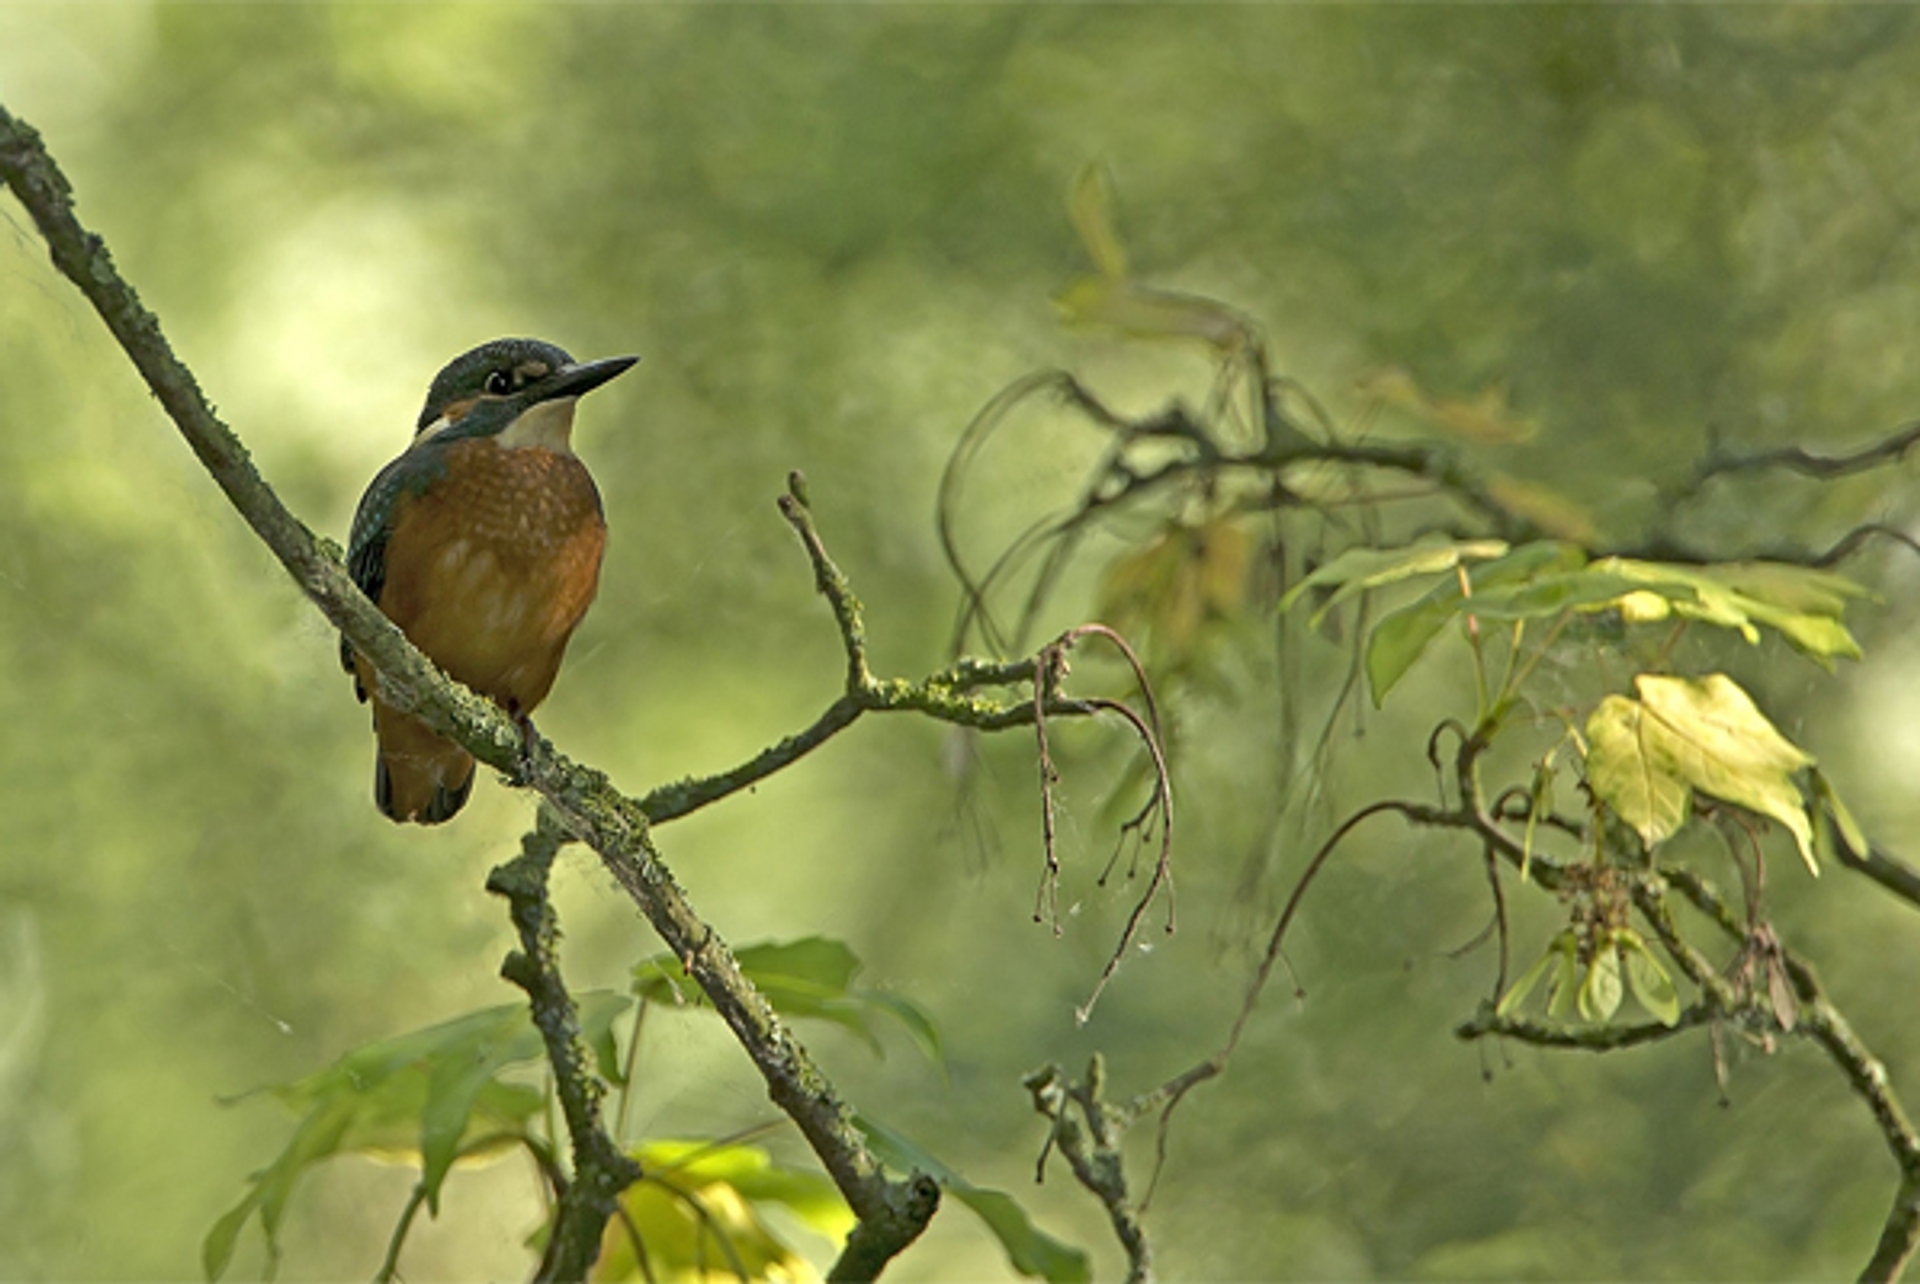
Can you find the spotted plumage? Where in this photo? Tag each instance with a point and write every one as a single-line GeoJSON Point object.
{"type": "Point", "coordinates": [483, 543]}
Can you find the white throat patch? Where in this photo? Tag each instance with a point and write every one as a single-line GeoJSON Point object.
{"type": "Point", "coordinates": [546, 424]}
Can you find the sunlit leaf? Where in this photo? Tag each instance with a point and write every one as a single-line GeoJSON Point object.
{"type": "Point", "coordinates": [1817, 636]}
{"type": "Point", "coordinates": [1802, 605]}
{"type": "Point", "coordinates": [1630, 770]}
{"type": "Point", "coordinates": [1030, 1251]}
{"type": "Point", "coordinates": [1647, 979]}
{"type": "Point", "coordinates": [697, 1212]}
{"type": "Point", "coordinates": [1644, 607]}
{"type": "Point", "coordinates": [1724, 746]}
{"type": "Point", "coordinates": [1645, 756]}
{"type": "Point", "coordinates": [810, 977]}
{"type": "Point", "coordinates": [1587, 588]}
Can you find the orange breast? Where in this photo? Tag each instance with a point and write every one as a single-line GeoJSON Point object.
{"type": "Point", "coordinates": [491, 569]}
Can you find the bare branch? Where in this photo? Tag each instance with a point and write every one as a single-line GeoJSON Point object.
{"type": "Point", "coordinates": [1795, 459]}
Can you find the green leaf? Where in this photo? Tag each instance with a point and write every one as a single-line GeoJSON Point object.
{"type": "Point", "coordinates": [810, 977]}
{"type": "Point", "coordinates": [698, 1213]}
{"type": "Point", "coordinates": [1565, 990]}
{"type": "Point", "coordinates": [456, 1075]}
{"type": "Point", "coordinates": [1648, 980]}
{"type": "Point", "coordinates": [1358, 570]}
{"type": "Point", "coordinates": [1546, 578]}
{"type": "Point", "coordinates": [1630, 770]}
{"type": "Point", "coordinates": [1724, 746]}
{"type": "Point", "coordinates": [1802, 605]}
{"type": "Point", "coordinates": [1539, 803]}
{"type": "Point", "coordinates": [425, 1097]}
{"type": "Point", "coordinates": [1558, 951]}
{"type": "Point", "coordinates": [1030, 1251]}
{"type": "Point", "coordinates": [1601, 993]}
{"type": "Point", "coordinates": [1402, 636]}
{"type": "Point", "coordinates": [216, 1251]}
{"type": "Point", "coordinates": [1850, 832]}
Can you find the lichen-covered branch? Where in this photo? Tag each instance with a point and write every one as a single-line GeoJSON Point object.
{"type": "Point", "coordinates": [1091, 1146]}
{"type": "Point", "coordinates": [601, 1170]}
{"type": "Point", "coordinates": [954, 694]}
{"type": "Point", "coordinates": [1579, 1038]}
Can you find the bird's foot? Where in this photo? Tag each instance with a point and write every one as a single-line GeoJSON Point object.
{"type": "Point", "coordinates": [529, 744]}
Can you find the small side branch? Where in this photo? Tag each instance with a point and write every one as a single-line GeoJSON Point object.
{"type": "Point", "coordinates": [601, 1170]}
{"type": "Point", "coordinates": [958, 694]}
{"type": "Point", "coordinates": [1091, 1146]}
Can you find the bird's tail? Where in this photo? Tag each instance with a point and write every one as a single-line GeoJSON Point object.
{"type": "Point", "coordinates": [419, 776]}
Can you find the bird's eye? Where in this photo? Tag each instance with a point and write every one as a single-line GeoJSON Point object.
{"type": "Point", "coordinates": [499, 383]}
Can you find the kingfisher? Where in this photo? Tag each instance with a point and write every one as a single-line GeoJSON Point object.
{"type": "Point", "coordinates": [482, 542]}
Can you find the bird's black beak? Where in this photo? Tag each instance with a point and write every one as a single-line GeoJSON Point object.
{"type": "Point", "coordinates": [579, 379]}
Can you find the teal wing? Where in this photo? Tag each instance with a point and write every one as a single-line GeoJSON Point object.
{"type": "Point", "coordinates": [410, 474]}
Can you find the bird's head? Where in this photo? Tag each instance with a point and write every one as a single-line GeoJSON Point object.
{"type": "Point", "coordinates": [521, 391]}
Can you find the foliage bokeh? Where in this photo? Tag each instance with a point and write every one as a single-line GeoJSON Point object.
{"type": "Point", "coordinates": [832, 232]}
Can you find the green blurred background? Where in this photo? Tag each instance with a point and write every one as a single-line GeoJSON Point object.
{"type": "Point", "coordinates": [832, 232]}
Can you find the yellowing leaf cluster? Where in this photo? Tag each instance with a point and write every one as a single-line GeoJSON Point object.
{"type": "Point", "coordinates": [1646, 757]}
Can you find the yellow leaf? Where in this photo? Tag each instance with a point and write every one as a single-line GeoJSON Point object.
{"type": "Point", "coordinates": [1722, 744]}
{"type": "Point", "coordinates": [1629, 769]}
{"type": "Point", "coordinates": [1644, 607]}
